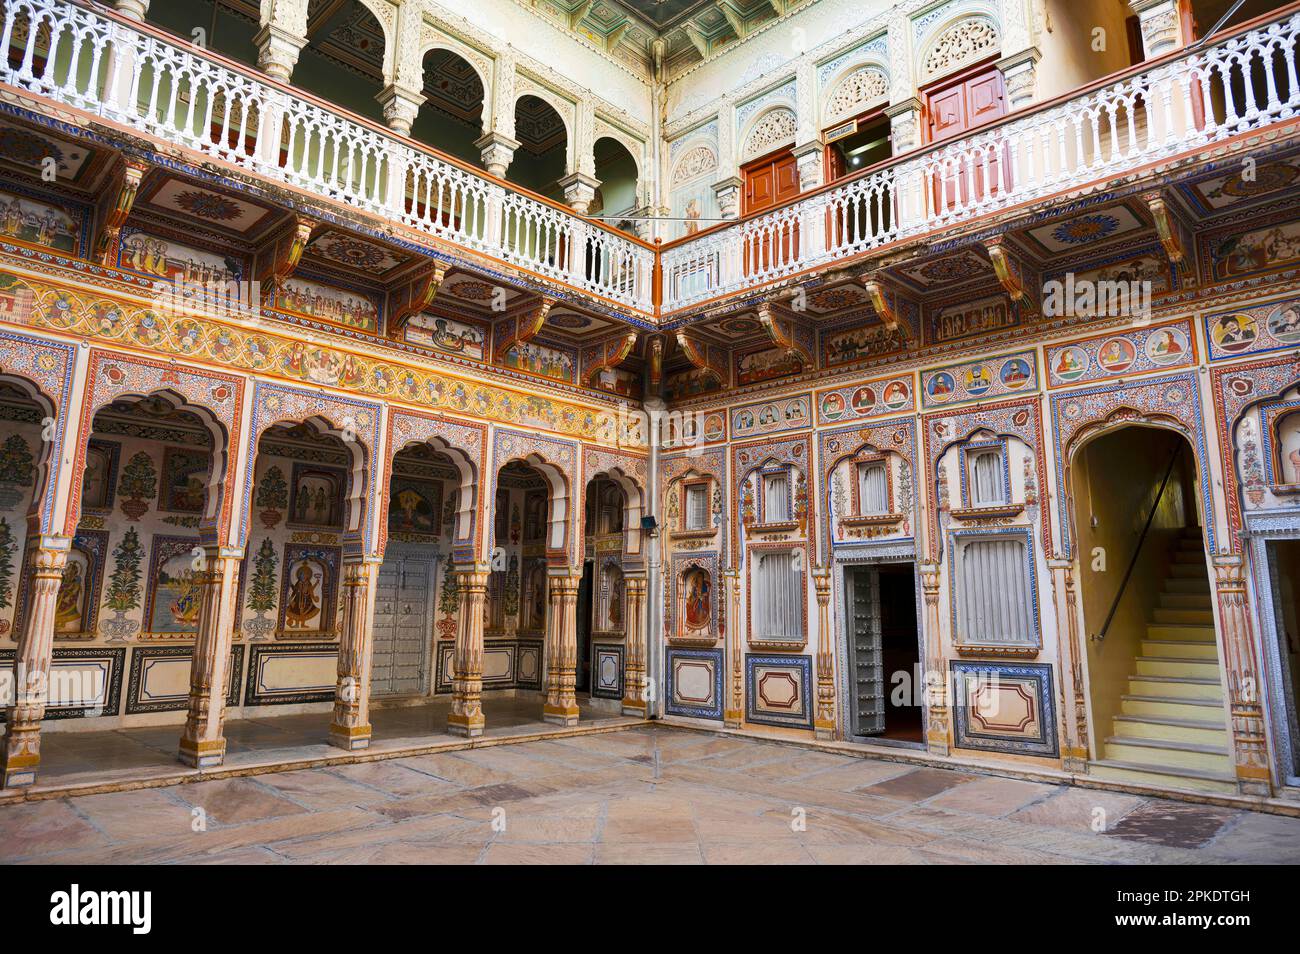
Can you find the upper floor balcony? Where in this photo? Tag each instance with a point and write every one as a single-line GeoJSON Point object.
{"type": "Point", "coordinates": [134, 77]}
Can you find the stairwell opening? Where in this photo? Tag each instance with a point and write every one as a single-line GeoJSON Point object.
{"type": "Point", "coordinates": [1153, 670]}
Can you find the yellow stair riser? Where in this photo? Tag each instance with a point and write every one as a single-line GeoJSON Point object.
{"type": "Point", "coordinates": [1188, 571]}
{"type": "Point", "coordinates": [1135, 751]}
{"type": "Point", "coordinates": [1162, 781]}
{"type": "Point", "coordinates": [1196, 735]}
{"type": "Point", "coordinates": [1188, 584]}
{"type": "Point", "coordinates": [1185, 600]}
{"type": "Point", "coordinates": [1137, 686]}
{"type": "Point", "coordinates": [1197, 617]}
{"type": "Point", "coordinates": [1185, 650]}
{"type": "Point", "coordinates": [1193, 669]}
{"type": "Point", "coordinates": [1191, 634]}
{"type": "Point", "coordinates": [1171, 709]}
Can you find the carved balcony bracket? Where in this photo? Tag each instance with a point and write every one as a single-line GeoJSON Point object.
{"type": "Point", "coordinates": [888, 305]}
{"type": "Point", "coordinates": [1175, 236]}
{"type": "Point", "coordinates": [115, 208]}
{"type": "Point", "coordinates": [704, 356]}
{"type": "Point", "coordinates": [606, 355]}
{"type": "Point", "coordinates": [522, 328]}
{"type": "Point", "coordinates": [412, 297]}
{"type": "Point", "coordinates": [1018, 276]}
{"type": "Point", "coordinates": [279, 257]}
{"type": "Point", "coordinates": [792, 336]}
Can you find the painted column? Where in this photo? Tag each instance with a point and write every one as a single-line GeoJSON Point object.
{"type": "Point", "coordinates": [635, 702]}
{"type": "Point", "coordinates": [824, 722]}
{"type": "Point", "coordinates": [936, 676]}
{"type": "Point", "coordinates": [203, 742]}
{"type": "Point", "coordinates": [561, 705]}
{"type": "Point", "coordinates": [733, 715]}
{"type": "Point", "coordinates": [32, 661]}
{"type": "Point", "coordinates": [466, 716]}
{"type": "Point", "coordinates": [1074, 708]}
{"type": "Point", "coordinates": [1249, 745]}
{"type": "Point", "coordinates": [350, 728]}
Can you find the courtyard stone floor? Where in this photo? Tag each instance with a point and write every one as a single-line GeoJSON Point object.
{"type": "Point", "coordinates": [650, 794]}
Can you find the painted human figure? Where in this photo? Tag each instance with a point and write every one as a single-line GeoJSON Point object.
{"type": "Point", "coordinates": [697, 601]}
{"type": "Point", "coordinates": [67, 607]}
{"type": "Point", "coordinates": [302, 605]}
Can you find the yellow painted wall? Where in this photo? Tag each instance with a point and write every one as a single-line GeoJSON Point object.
{"type": "Point", "coordinates": [1066, 43]}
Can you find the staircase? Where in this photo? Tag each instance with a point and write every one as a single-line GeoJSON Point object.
{"type": "Point", "coordinates": [1172, 727]}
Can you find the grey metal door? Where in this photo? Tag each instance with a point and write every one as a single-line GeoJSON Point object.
{"type": "Point", "coordinates": [402, 626]}
{"type": "Point", "coordinates": [865, 656]}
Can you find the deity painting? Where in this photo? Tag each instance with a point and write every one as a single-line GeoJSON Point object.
{"type": "Point", "coordinates": [317, 499]}
{"type": "Point", "coordinates": [1233, 333]}
{"type": "Point", "coordinates": [1117, 355]}
{"type": "Point", "coordinates": [38, 223]}
{"type": "Point", "coordinates": [174, 599]}
{"type": "Point", "coordinates": [446, 334]}
{"type": "Point", "coordinates": [1166, 346]}
{"type": "Point", "coordinates": [414, 506]}
{"type": "Point", "coordinates": [153, 255]}
{"type": "Point", "coordinates": [70, 609]}
{"type": "Point", "coordinates": [697, 599]}
{"type": "Point", "coordinates": [833, 406]}
{"type": "Point", "coordinates": [896, 395]}
{"type": "Point", "coordinates": [100, 480]}
{"type": "Point", "coordinates": [308, 590]}
{"type": "Point", "coordinates": [1070, 364]}
{"type": "Point", "coordinates": [539, 359]}
{"type": "Point", "coordinates": [535, 596]}
{"type": "Point", "coordinates": [692, 216]}
{"type": "Point", "coordinates": [1284, 324]}
{"type": "Point", "coordinates": [1255, 251]}
{"type": "Point", "coordinates": [340, 306]}
{"type": "Point", "coordinates": [183, 487]}
{"type": "Point", "coordinates": [1015, 373]}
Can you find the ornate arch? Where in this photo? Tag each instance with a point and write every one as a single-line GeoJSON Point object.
{"type": "Point", "coordinates": [215, 398]}
{"type": "Point", "coordinates": [629, 472]}
{"type": "Point", "coordinates": [896, 436]}
{"type": "Point", "coordinates": [557, 461]}
{"type": "Point", "coordinates": [566, 110]}
{"type": "Point", "coordinates": [774, 127]}
{"type": "Point", "coordinates": [855, 87]}
{"type": "Point", "coordinates": [1171, 403]}
{"type": "Point", "coordinates": [432, 39]}
{"type": "Point", "coordinates": [698, 158]}
{"type": "Point", "coordinates": [969, 36]}
{"type": "Point", "coordinates": [43, 369]}
{"type": "Point", "coordinates": [466, 445]}
{"type": "Point", "coordinates": [354, 422]}
{"type": "Point", "coordinates": [748, 458]}
{"type": "Point", "coordinates": [635, 149]}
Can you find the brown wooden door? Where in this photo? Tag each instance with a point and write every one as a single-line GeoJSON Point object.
{"type": "Point", "coordinates": [769, 182]}
{"type": "Point", "coordinates": [954, 108]}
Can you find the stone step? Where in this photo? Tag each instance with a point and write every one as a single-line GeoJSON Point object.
{"type": "Point", "coordinates": [1163, 776]}
{"type": "Point", "coordinates": [1180, 648]}
{"type": "Point", "coordinates": [1175, 666]}
{"type": "Point", "coordinates": [1172, 707]}
{"type": "Point", "coordinates": [1180, 755]}
{"type": "Point", "coordinates": [1187, 584]}
{"type": "Point", "coordinates": [1189, 570]}
{"type": "Point", "coordinates": [1184, 632]}
{"type": "Point", "coordinates": [1186, 600]}
{"type": "Point", "coordinates": [1211, 732]}
{"type": "Point", "coordinates": [1175, 687]}
{"type": "Point", "coordinates": [1197, 616]}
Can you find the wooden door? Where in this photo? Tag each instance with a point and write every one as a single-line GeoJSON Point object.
{"type": "Point", "coordinates": [956, 107]}
{"type": "Point", "coordinates": [769, 182]}
{"type": "Point", "coordinates": [865, 650]}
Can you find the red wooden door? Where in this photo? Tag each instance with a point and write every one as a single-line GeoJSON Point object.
{"type": "Point", "coordinates": [769, 182]}
{"type": "Point", "coordinates": [958, 106]}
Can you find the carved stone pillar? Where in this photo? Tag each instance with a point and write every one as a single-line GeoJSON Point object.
{"type": "Point", "coordinates": [579, 191]}
{"type": "Point", "coordinates": [203, 741]}
{"type": "Point", "coordinates": [635, 700]}
{"type": "Point", "coordinates": [400, 106]}
{"type": "Point", "coordinates": [561, 705]}
{"type": "Point", "coordinates": [498, 152]}
{"type": "Point", "coordinates": [733, 715]}
{"type": "Point", "coordinates": [350, 727]}
{"type": "Point", "coordinates": [904, 125]}
{"type": "Point", "coordinates": [1074, 705]}
{"type": "Point", "coordinates": [824, 723]}
{"type": "Point", "coordinates": [1020, 78]}
{"type": "Point", "coordinates": [277, 51]}
{"type": "Point", "coordinates": [936, 675]}
{"type": "Point", "coordinates": [22, 750]}
{"type": "Point", "coordinates": [466, 717]}
{"type": "Point", "coordinates": [1249, 745]}
{"type": "Point", "coordinates": [808, 161]}
{"type": "Point", "coordinates": [728, 193]}
{"type": "Point", "coordinates": [1160, 24]}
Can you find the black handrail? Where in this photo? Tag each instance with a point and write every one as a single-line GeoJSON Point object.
{"type": "Point", "coordinates": [1173, 459]}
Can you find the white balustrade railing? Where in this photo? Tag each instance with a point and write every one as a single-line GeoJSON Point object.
{"type": "Point", "coordinates": [177, 92]}
{"type": "Point", "coordinates": [1219, 91]}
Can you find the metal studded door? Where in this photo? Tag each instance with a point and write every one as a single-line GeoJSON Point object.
{"type": "Point", "coordinates": [402, 626]}
{"type": "Point", "coordinates": [867, 665]}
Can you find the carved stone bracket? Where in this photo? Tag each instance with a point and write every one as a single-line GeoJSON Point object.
{"type": "Point", "coordinates": [1175, 236]}
{"type": "Point", "coordinates": [116, 207]}
{"type": "Point", "coordinates": [785, 334]}
{"type": "Point", "coordinates": [278, 258]}
{"type": "Point", "coordinates": [703, 356]}
{"type": "Point", "coordinates": [414, 296]}
{"type": "Point", "coordinates": [887, 303]}
{"type": "Point", "coordinates": [608, 354]}
{"type": "Point", "coordinates": [1018, 276]}
{"type": "Point", "coordinates": [522, 327]}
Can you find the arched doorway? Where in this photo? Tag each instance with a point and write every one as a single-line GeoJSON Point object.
{"type": "Point", "coordinates": [451, 118]}
{"type": "Point", "coordinates": [602, 592]}
{"type": "Point", "coordinates": [616, 196]}
{"type": "Point", "coordinates": [1154, 674]}
{"type": "Point", "coordinates": [542, 157]}
{"type": "Point", "coordinates": [343, 61]}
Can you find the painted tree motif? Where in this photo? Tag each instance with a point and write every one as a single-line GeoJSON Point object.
{"type": "Point", "coordinates": [272, 496]}
{"type": "Point", "coordinates": [261, 589]}
{"type": "Point", "coordinates": [449, 602]}
{"type": "Point", "coordinates": [511, 596]}
{"type": "Point", "coordinates": [8, 547]}
{"type": "Point", "coordinates": [124, 586]}
{"type": "Point", "coordinates": [139, 485]}
{"type": "Point", "coordinates": [16, 461]}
